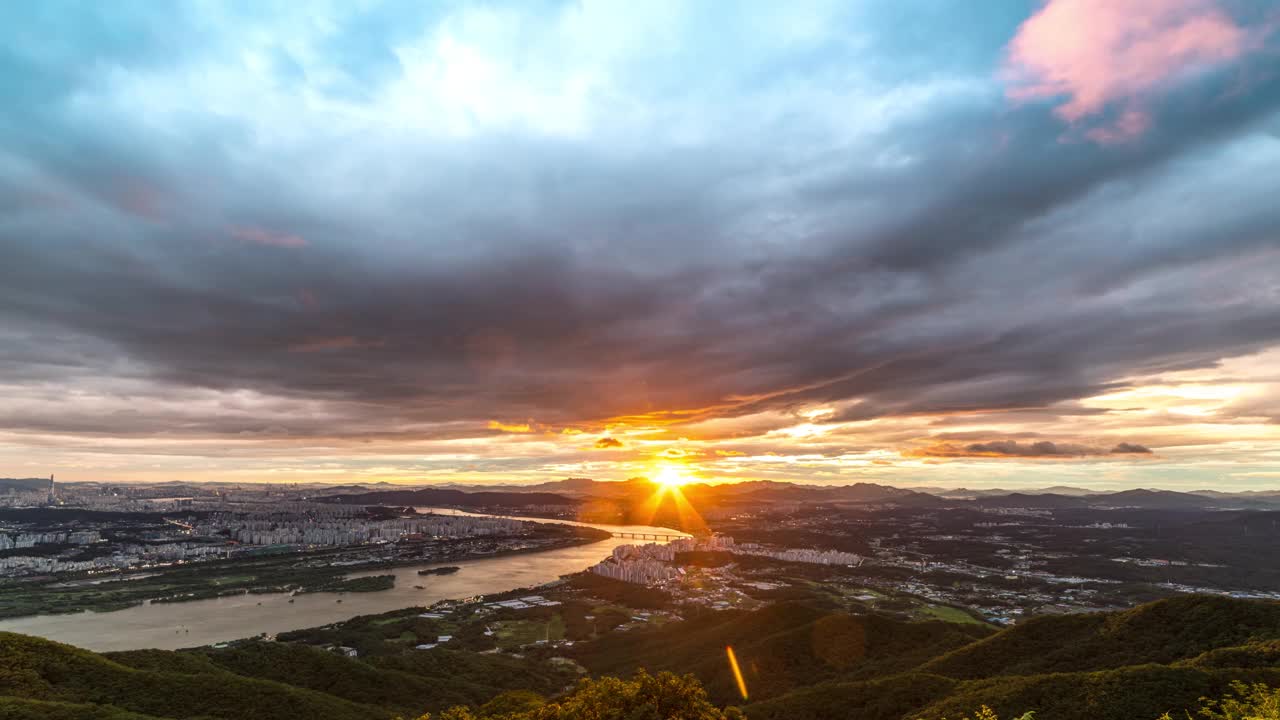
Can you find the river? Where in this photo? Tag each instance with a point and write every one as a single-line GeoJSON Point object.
{"type": "Point", "coordinates": [170, 626]}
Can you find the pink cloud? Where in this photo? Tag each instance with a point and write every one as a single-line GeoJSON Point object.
{"type": "Point", "coordinates": [1095, 54]}
{"type": "Point", "coordinates": [1129, 125]}
{"type": "Point", "coordinates": [267, 237]}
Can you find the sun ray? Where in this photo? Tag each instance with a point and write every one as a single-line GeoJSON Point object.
{"type": "Point", "coordinates": [667, 481]}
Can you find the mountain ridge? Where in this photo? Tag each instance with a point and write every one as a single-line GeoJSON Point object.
{"type": "Point", "coordinates": [578, 491]}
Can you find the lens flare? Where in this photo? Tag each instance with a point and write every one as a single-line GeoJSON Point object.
{"type": "Point", "coordinates": [737, 672]}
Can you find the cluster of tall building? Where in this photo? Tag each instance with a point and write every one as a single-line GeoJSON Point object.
{"type": "Point", "coordinates": [328, 526]}
{"type": "Point", "coordinates": [713, 543]}
{"type": "Point", "coordinates": [31, 539]}
{"type": "Point", "coordinates": [35, 565]}
{"type": "Point", "coordinates": [218, 536]}
{"type": "Point", "coordinates": [652, 563]}
{"type": "Point", "coordinates": [803, 555]}
{"type": "Point", "coordinates": [128, 556]}
{"type": "Point", "coordinates": [724, 543]}
{"type": "Point", "coordinates": [640, 564]}
{"type": "Point", "coordinates": [209, 528]}
{"type": "Point", "coordinates": [20, 498]}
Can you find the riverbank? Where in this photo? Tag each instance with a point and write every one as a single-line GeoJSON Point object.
{"type": "Point", "coordinates": [210, 621]}
{"type": "Point", "coordinates": [308, 572]}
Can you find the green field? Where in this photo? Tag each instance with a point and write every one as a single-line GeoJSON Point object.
{"type": "Point", "coordinates": [517, 633]}
{"type": "Point", "coordinates": [949, 614]}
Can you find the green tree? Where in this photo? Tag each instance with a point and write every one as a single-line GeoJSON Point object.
{"type": "Point", "coordinates": [664, 696]}
{"type": "Point", "coordinates": [986, 713]}
{"type": "Point", "coordinates": [1244, 702]}
{"type": "Point", "coordinates": [513, 702]}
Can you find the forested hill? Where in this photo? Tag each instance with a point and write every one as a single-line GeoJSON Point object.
{"type": "Point", "coordinates": [23, 484]}
{"type": "Point", "coordinates": [798, 662]}
{"type": "Point", "coordinates": [255, 680]}
{"type": "Point", "coordinates": [1130, 665]}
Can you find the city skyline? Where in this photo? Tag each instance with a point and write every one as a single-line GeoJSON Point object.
{"type": "Point", "coordinates": [489, 243]}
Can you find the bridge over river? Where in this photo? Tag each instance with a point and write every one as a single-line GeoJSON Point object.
{"type": "Point", "coordinates": [646, 535]}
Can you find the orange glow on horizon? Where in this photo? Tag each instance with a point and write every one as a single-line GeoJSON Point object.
{"type": "Point", "coordinates": [667, 481]}
{"type": "Point", "coordinates": [510, 427]}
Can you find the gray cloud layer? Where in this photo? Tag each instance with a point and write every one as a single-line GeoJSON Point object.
{"type": "Point", "coordinates": [1038, 449]}
{"type": "Point", "coordinates": [954, 254]}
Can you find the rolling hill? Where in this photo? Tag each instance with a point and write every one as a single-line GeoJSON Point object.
{"type": "Point", "coordinates": [799, 663]}
{"type": "Point", "coordinates": [802, 663]}
{"type": "Point", "coordinates": [1164, 632]}
{"type": "Point", "coordinates": [263, 681]}
{"type": "Point", "coordinates": [1127, 665]}
{"type": "Point", "coordinates": [781, 647]}
{"type": "Point", "coordinates": [23, 484]}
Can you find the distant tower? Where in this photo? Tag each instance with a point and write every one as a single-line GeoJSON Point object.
{"type": "Point", "coordinates": [53, 491]}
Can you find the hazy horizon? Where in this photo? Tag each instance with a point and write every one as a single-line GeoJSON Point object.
{"type": "Point", "coordinates": [499, 483]}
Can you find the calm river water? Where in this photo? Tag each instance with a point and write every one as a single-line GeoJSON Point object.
{"type": "Point", "coordinates": [202, 622]}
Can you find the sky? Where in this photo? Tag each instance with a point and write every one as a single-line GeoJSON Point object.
{"type": "Point", "coordinates": [926, 242]}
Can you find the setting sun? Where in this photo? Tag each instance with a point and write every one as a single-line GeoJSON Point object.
{"type": "Point", "coordinates": [670, 476]}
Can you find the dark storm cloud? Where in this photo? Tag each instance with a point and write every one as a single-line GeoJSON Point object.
{"type": "Point", "coordinates": [1041, 448]}
{"type": "Point", "coordinates": [1016, 449]}
{"type": "Point", "coordinates": [935, 264]}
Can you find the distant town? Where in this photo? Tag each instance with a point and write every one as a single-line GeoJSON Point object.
{"type": "Point", "coordinates": [996, 559]}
